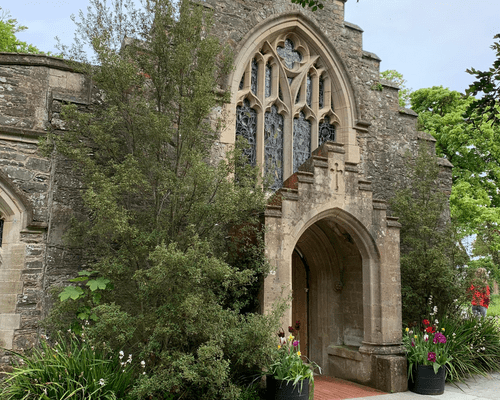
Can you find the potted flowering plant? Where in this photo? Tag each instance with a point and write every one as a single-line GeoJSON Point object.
{"type": "Point", "coordinates": [427, 354]}
{"type": "Point", "coordinates": [289, 373]}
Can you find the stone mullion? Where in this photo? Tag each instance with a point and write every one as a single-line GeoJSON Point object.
{"type": "Point", "coordinates": [259, 139]}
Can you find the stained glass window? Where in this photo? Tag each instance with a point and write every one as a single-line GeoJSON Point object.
{"type": "Point", "coordinates": [242, 82]}
{"type": "Point", "coordinates": [269, 72]}
{"type": "Point", "coordinates": [255, 71]}
{"type": "Point", "coordinates": [289, 55]}
{"type": "Point", "coordinates": [309, 91]}
{"type": "Point", "coordinates": [301, 141]}
{"type": "Point", "coordinates": [246, 127]}
{"type": "Point", "coordinates": [273, 136]}
{"type": "Point", "coordinates": [321, 94]}
{"type": "Point", "coordinates": [326, 131]}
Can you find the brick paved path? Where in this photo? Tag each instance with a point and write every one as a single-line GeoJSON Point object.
{"type": "Point", "coordinates": [327, 388]}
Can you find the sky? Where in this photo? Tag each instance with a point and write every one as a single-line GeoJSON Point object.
{"type": "Point", "coordinates": [431, 42]}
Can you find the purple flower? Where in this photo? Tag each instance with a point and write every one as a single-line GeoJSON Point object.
{"type": "Point", "coordinates": [431, 356]}
{"type": "Point", "coordinates": [412, 343]}
{"type": "Point", "coordinates": [439, 338]}
{"type": "Point", "coordinates": [295, 343]}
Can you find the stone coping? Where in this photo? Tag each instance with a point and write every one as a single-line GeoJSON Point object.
{"type": "Point", "coordinates": [39, 60]}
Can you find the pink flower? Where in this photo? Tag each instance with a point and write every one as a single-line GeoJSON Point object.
{"type": "Point", "coordinates": [439, 338]}
{"type": "Point", "coordinates": [412, 343]}
{"type": "Point", "coordinates": [431, 356]}
{"type": "Point", "coordinates": [295, 343]}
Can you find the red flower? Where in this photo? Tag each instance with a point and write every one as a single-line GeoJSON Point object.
{"type": "Point", "coordinates": [431, 356]}
{"type": "Point", "coordinates": [430, 329]}
{"type": "Point", "coordinates": [426, 322]}
{"type": "Point", "coordinates": [290, 329]}
{"type": "Point", "coordinates": [297, 325]}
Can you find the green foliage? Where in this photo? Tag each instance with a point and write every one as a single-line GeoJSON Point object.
{"type": "Point", "coordinates": [312, 4]}
{"type": "Point", "coordinates": [487, 86]}
{"type": "Point", "coordinates": [430, 258]}
{"type": "Point", "coordinates": [69, 369]}
{"type": "Point", "coordinates": [8, 40]}
{"type": "Point", "coordinates": [404, 92]}
{"type": "Point", "coordinates": [86, 298]}
{"type": "Point", "coordinates": [162, 219]}
{"type": "Point", "coordinates": [474, 151]}
{"type": "Point", "coordinates": [475, 345]}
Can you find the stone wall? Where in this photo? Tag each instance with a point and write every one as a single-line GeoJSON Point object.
{"type": "Point", "coordinates": [38, 193]}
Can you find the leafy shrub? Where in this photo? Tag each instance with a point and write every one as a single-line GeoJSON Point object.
{"type": "Point", "coordinates": [71, 368]}
{"type": "Point", "coordinates": [474, 344]}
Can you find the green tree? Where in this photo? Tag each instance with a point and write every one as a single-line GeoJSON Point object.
{"type": "Point", "coordinates": [487, 85]}
{"type": "Point", "coordinates": [430, 258]}
{"type": "Point", "coordinates": [404, 92]}
{"type": "Point", "coordinates": [8, 40]}
{"type": "Point", "coordinates": [164, 222]}
{"type": "Point", "coordinates": [474, 151]}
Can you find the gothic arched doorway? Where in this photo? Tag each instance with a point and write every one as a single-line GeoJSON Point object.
{"type": "Point", "coordinates": [327, 289]}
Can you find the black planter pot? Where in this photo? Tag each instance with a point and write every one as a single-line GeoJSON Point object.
{"type": "Point", "coordinates": [425, 381]}
{"type": "Point", "coordinates": [283, 390]}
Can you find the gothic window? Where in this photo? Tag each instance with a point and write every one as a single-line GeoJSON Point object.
{"type": "Point", "coordinates": [284, 105]}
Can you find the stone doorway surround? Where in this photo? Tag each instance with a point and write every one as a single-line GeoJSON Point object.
{"type": "Point", "coordinates": [327, 212]}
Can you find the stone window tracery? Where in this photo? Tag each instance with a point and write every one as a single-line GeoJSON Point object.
{"type": "Point", "coordinates": [288, 89]}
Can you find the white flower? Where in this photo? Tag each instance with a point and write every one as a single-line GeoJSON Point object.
{"type": "Point", "coordinates": [144, 373]}
{"type": "Point", "coordinates": [436, 322]}
{"type": "Point", "coordinates": [101, 382]}
{"type": "Point", "coordinates": [121, 354]}
{"type": "Point", "coordinates": [143, 364]}
{"type": "Point", "coordinates": [426, 337]}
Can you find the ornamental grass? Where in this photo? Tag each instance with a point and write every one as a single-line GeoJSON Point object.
{"type": "Point", "coordinates": [475, 346]}
{"type": "Point", "coordinates": [68, 369]}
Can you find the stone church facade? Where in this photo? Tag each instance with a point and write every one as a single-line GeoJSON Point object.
{"type": "Point", "coordinates": [329, 136]}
